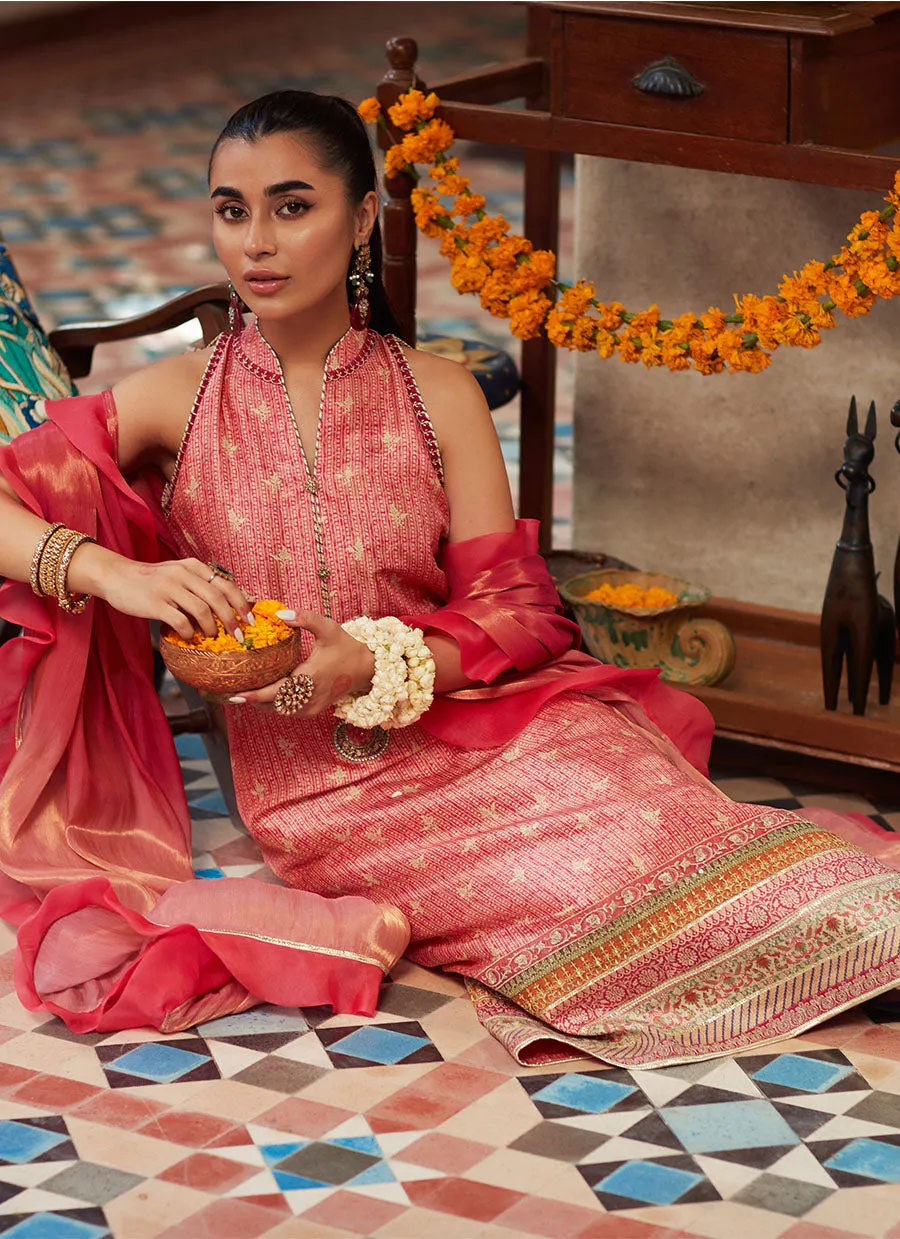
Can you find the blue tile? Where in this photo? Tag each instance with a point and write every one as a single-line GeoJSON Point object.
{"type": "Point", "coordinates": [209, 873]}
{"type": "Point", "coordinates": [809, 1075]}
{"type": "Point", "coordinates": [869, 1158]}
{"type": "Point", "coordinates": [54, 1226]}
{"type": "Point", "coordinates": [378, 1045]}
{"type": "Point", "coordinates": [363, 1144]}
{"type": "Point", "coordinates": [728, 1125]}
{"type": "Point", "coordinates": [19, 1142]}
{"type": "Point", "coordinates": [379, 1173]}
{"type": "Point", "coordinates": [651, 1182]}
{"type": "Point", "coordinates": [158, 1061]}
{"type": "Point", "coordinates": [295, 1182]}
{"type": "Point", "coordinates": [590, 1093]}
{"type": "Point", "coordinates": [190, 748]}
{"type": "Point", "coordinates": [275, 1153]}
{"type": "Point", "coordinates": [212, 802]}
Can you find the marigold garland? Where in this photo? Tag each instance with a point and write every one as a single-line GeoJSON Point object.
{"type": "Point", "coordinates": [517, 282]}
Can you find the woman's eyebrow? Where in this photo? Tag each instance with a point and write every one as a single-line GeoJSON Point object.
{"type": "Point", "coordinates": [272, 191]}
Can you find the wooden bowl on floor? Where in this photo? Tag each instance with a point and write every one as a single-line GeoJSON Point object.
{"type": "Point", "coordinates": [230, 672]}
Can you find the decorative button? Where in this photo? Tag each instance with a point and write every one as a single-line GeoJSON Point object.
{"type": "Point", "coordinates": [312, 485]}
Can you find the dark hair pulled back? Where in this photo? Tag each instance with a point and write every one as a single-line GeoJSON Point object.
{"type": "Point", "coordinates": [341, 142]}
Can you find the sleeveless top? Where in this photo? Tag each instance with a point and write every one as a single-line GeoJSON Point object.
{"type": "Point", "coordinates": [361, 536]}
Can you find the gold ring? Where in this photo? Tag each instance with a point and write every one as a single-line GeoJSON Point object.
{"type": "Point", "coordinates": [294, 694]}
{"type": "Point", "coordinates": [218, 571]}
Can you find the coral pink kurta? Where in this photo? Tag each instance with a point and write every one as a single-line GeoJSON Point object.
{"type": "Point", "coordinates": [599, 893]}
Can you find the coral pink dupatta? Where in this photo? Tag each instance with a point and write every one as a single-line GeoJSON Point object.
{"type": "Point", "coordinates": [113, 929]}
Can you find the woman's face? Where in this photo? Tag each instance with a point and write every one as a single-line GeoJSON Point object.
{"type": "Point", "coordinates": [282, 225]}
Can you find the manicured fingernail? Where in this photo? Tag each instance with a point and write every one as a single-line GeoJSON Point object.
{"type": "Point", "coordinates": [286, 615]}
{"type": "Point", "coordinates": [238, 701]}
{"type": "Point", "coordinates": [251, 619]}
{"type": "Point", "coordinates": [238, 635]}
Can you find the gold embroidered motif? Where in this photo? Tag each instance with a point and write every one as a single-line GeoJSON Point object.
{"type": "Point", "coordinates": [236, 520]}
{"type": "Point", "coordinates": [354, 793]}
{"type": "Point", "coordinates": [429, 822]}
{"type": "Point", "coordinates": [419, 862]}
{"type": "Point", "coordinates": [357, 550]}
{"type": "Point", "coordinates": [583, 821]}
{"type": "Point", "coordinates": [396, 515]}
{"type": "Point", "coordinates": [346, 475]}
{"type": "Point", "coordinates": [528, 830]}
{"type": "Point", "coordinates": [580, 866]}
{"type": "Point", "coordinates": [258, 789]}
{"type": "Point", "coordinates": [347, 405]}
{"type": "Point", "coordinates": [192, 487]}
{"type": "Point", "coordinates": [467, 890]}
{"type": "Point", "coordinates": [470, 845]}
{"type": "Point", "coordinates": [229, 449]}
{"type": "Point", "coordinates": [489, 813]}
{"type": "Point", "coordinates": [391, 441]}
{"type": "Point", "coordinates": [283, 556]}
{"type": "Point", "coordinates": [518, 874]}
{"type": "Point", "coordinates": [261, 411]}
{"type": "Point", "coordinates": [287, 746]}
{"type": "Point", "coordinates": [273, 483]}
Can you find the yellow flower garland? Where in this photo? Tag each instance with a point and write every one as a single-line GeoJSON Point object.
{"type": "Point", "coordinates": [517, 282]}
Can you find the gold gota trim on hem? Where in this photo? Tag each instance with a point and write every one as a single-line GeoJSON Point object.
{"type": "Point", "coordinates": [294, 946]}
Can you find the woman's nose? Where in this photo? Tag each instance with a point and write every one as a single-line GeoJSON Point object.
{"type": "Point", "coordinates": [259, 239]}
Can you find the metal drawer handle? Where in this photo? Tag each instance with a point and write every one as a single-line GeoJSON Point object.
{"type": "Point", "coordinates": [667, 77]}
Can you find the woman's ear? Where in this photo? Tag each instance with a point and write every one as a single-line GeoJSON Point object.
{"type": "Point", "coordinates": [366, 215]}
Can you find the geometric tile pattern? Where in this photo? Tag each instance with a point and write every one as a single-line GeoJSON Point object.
{"type": "Point", "coordinates": [256, 1125]}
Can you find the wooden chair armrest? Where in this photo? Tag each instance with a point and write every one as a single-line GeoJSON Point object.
{"type": "Point", "coordinates": [76, 342]}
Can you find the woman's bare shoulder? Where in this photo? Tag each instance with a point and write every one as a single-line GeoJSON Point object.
{"type": "Point", "coordinates": [154, 403]}
{"type": "Point", "coordinates": [451, 393]}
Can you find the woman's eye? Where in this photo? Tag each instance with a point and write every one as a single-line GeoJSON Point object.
{"type": "Point", "coordinates": [293, 208]}
{"type": "Point", "coordinates": [230, 211]}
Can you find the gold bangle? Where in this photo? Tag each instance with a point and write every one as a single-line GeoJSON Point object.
{"type": "Point", "coordinates": [71, 603]}
{"type": "Point", "coordinates": [56, 544]}
{"type": "Point", "coordinates": [38, 552]}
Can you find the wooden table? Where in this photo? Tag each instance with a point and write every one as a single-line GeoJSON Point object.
{"type": "Point", "coordinates": [803, 92]}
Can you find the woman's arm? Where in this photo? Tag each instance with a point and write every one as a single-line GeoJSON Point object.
{"type": "Point", "coordinates": [152, 408]}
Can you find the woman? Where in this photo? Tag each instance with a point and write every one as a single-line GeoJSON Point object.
{"type": "Point", "coordinates": [545, 828]}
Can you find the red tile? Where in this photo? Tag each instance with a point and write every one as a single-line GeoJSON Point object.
{"type": "Point", "coordinates": [55, 1093]}
{"type": "Point", "coordinates": [208, 1173]}
{"type": "Point", "coordinates": [7, 965]}
{"type": "Point", "coordinates": [191, 1128]}
{"type": "Point", "coordinates": [227, 1219]}
{"type": "Point", "coordinates": [8, 1034]}
{"type": "Point", "coordinates": [447, 1153]}
{"type": "Point", "coordinates": [11, 1077]}
{"type": "Point", "coordinates": [119, 1109]}
{"type": "Point", "coordinates": [240, 851]}
{"type": "Point", "coordinates": [550, 1218]}
{"type": "Point", "coordinates": [463, 1198]}
{"type": "Point", "coordinates": [303, 1118]}
{"type": "Point", "coordinates": [614, 1226]}
{"type": "Point", "coordinates": [360, 1214]}
{"type": "Point", "coordinates": [434, 1098]}
{"type": "Point", "coordinates": [879, 1040]}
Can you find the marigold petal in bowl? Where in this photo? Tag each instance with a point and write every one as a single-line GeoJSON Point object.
{"type": "Point", "coordinates": [645, 619]}
{"type": "Point", "coordinates": [221, 666]}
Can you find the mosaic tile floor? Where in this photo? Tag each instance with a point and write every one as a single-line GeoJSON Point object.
{"type": "Point", "coordinates": [298, 1125]}
{"type": "Point", "coordinates": [302, 1125]}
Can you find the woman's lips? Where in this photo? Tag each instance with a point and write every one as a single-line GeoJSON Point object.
{"type": "Point", "coordinates": [266, 286]}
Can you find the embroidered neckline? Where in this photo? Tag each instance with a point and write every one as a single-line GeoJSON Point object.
{"type": "Point", "coordinates": [257, 355]}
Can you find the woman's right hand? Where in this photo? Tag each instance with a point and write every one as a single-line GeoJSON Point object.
{"type": "Point", "coordinates": [183, 593]}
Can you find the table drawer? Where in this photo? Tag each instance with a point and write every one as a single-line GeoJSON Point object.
{"type": "Point", "coordinates": [743, 75]}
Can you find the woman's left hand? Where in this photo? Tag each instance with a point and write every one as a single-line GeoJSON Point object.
{"type": "Point", "coordinates": [338, 664]}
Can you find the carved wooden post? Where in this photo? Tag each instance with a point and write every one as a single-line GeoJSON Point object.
{"type": "Point", "coordinates": [397, 221]}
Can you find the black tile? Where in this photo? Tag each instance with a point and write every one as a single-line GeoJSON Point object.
{"type": "Point", "coordinates": [780, 1195]}
{"type": "Point", "coordinates": [327, 1163]}
{"type": "Point", "coordinates": [559, 1141]}
{"type": "Point", "coordinates": [411, 1002]}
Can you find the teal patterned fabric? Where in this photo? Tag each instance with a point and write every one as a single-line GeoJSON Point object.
{"type": "Point", "coordinates": [31, 371]}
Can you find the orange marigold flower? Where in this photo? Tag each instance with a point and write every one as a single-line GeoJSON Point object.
{"type": "Point", "coordinates": [705, 355]}
{"type": "Point", "coordinates": [468, 273]}
{"type": "Point", "coordinates": [369, 110]}
{"type": "Point", "coordinates": [605, 342]}
{"type": "Point", "coordinates": [559, 328]}
{"type": "Point", "coordinates": [610, 315]}
{"type": "Point", "coordinates": [487, 231]}
{"type": "Point", "coordinates": [413, 107]}
{"type": "Point", "coordinates": [445, 166]}
{"type": "Point", "coordinates": [763, 316]}
{"type": "Point", "coordinates": [496, 294]}
{"type": "Point", "coordinates": [797, 332]}
{"type": "Point", "coordinates": [504, 255]}
{"type": "Point", "coordinates": [527, 313]}
{"type": "Point", "coordinates": [713, 321]}
{"type": "Point", "coordinates": [428, 210]}
{"type": "Point", "coordinates": [877, 276]}
{"type": "Point", "coordinates": [536, 272]}
{"type": "Point", "coordinates": [452, 185]}
{"type": "Point", "coordinates": [396, 162]}
{"type": "Point", "coordinates": [468, 204]}
{"type": "Point", "coordinates": [575, 300]}
{"type": "Point", "coordinates": [644, 322]}
{"type": "Point", "coordinates": [842, 290]}
{"type": "Point", "coordinates": [422, 147]}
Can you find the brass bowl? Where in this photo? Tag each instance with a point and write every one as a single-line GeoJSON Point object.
{"type": "Point", "coordinates": [231, 672]}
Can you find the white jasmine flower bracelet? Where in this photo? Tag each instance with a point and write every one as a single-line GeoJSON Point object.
{"type": "Point", "coordinates": [403, 682]}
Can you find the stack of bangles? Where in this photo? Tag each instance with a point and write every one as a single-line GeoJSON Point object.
{"type": "Point", "coordinates": [50, 566]}
{"type": "Point", "coordinates": [403, 682]}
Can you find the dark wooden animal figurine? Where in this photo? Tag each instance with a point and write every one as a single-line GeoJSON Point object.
{"type": "Point", "coordinates": [850, 612]}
